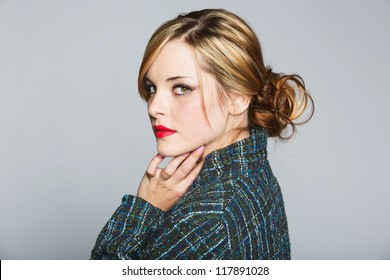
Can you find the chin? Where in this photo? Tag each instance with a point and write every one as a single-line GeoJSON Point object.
{"type": "Point", "coordinates": [171, 152]}
{"type": "Point", "coordinates": [167, 153]}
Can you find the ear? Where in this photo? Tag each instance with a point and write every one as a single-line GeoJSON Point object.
{"type": "Point", "coordinates": [239, 103]}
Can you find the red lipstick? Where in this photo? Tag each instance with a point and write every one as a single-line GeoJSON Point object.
{"type": "Point", "coordinates": [161, 131]}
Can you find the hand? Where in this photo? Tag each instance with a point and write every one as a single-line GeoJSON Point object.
{"type": "Point", "coordinates": [162, 187]}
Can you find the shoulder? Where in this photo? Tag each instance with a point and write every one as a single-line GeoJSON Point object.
{"type": "Point", "coordinates": [252, 195]}
{"type": "Point", "coordinates": [204, 202]}
{"type": "Point", "coordinates": [226, 196]}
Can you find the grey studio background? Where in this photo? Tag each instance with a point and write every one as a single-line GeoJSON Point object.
{"type": "Point", "coordinates": [75, 137]}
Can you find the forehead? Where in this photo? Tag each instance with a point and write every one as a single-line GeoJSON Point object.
{"type": "Point", "coordinates": [174, 59]}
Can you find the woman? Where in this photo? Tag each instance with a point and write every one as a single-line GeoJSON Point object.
{"type": "Point", "coordinates": [212, 105]}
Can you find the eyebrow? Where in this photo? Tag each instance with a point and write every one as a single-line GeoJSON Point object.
{"type": "Point", "coordinates": [146, 79]}
{"type": "Point", "coordinates": [177, 77]}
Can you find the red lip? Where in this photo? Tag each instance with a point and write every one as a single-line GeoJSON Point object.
{"type": "Point", "coordinates": [161, 131]}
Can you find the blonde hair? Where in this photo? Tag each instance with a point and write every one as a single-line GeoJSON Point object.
{"type": "Point", "coordinates": [226, 47]}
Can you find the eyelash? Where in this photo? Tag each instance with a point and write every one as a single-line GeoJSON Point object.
{"type": "Point", "coordinates": [151, 89]}
{"type": "Point", "coordinates": [187, 90]}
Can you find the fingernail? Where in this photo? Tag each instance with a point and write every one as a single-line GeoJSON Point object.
{"type": "Point", "coordinates": [185, 155]}
{"type": "Point", "coordinates": [200, 149]}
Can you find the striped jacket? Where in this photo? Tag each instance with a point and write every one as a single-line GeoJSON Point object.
{"type": "Point", "coordinates": [233, 210]}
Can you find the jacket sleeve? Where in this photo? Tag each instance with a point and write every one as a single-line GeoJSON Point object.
{"type": "Point", "coordinates": [188, 234]}
{"type": "Point", "coordinates": [138, 230]}
{"type": "Point", "coordinates": [124, 233]}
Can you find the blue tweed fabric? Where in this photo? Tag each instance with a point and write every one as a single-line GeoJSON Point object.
{"type": "Point", "coordinates": [233, 210]}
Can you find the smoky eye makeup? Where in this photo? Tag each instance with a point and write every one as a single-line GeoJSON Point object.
{"type": "Point", "coordinates": [178, 88]}
{"type": "Point", "coordinates": [149, 87]}
{"type": "Point", "coordinates": [182, 89]}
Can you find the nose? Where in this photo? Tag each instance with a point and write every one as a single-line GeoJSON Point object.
{"type": "Point", "coordinates": [157, 105]}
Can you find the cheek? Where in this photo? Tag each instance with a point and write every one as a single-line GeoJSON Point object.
{"type": "Point", "coordinates": [189, 114]}
{"type": "Point", "coordinates": [216, 115]}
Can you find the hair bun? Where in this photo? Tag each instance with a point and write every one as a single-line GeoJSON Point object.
{"type": "Point", "coordinates": [281, 101]}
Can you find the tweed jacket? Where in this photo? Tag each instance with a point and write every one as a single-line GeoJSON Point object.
{"type": "Point", "coordinates": [233, 210]}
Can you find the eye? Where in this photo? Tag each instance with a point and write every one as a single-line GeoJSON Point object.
{"type": "Point", "coordinates": [150, 88]}
{"type": "Point", "coordinates": [182, 89]}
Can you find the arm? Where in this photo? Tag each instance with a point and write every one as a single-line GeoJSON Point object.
{"type": "Point", "coordinates": [187, 234]}
{"type": "Point", "coordinates": [240, 219]}
{"type": "Point", "coordinates": [123, 234]}
{"type": "Point", "coordinates": [138, 230]}
{"type": "Point", "coordinates": [159, 190]}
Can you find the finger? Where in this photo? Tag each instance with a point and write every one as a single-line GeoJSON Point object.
{"type": "Point", "coordinates": [153, 165]}
{"type": "Point", "coordinates": [190, 178]}
{"type": "Point", "coordinates": [172, 166]}
{"type": "Point", "coordinates": [188, 165]}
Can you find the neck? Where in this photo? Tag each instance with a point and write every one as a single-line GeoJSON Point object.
{"type": "Point", "coordinates": [230, 137]}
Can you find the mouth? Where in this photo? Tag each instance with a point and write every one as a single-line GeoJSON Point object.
{"type": "Point", "coordinates": [161, 131]}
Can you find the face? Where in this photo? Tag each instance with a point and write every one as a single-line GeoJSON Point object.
{"type": "Point", "coordinates": [175, 103]}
